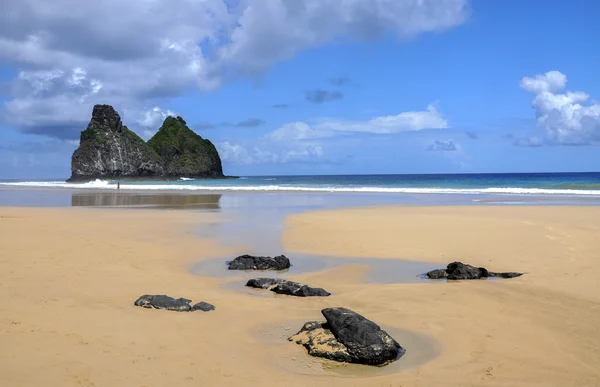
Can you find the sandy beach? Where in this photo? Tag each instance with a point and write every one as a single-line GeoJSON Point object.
{"type": "Point", "coordinates": [69, 277]}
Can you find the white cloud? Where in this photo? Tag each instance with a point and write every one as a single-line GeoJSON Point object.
{"type": "Point", "coordinates": [565, 117]}
{"type": "Point", "coordinates": [552, 82]}
{"type": "Point", "coordinates": [403, 122]}
{"type": "Point", "coordinates": [152, 119]}
{"type": "Point", "coordinates": [234, 153]}
{"type": "Point", "coordinates": [237, 154]}
{"type": "Point", "coordinates": [153, 51]}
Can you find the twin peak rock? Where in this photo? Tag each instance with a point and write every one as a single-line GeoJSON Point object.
{"type": "Point", "coordinates": [109, 150]}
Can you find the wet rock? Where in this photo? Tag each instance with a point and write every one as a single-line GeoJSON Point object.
{"type": "Point", "coordinates": [437, 274]}
{"type": "Point", "coordinates": [281, 286]}
{"type": "Point", "coordinates": [510, 274]}
{"type": "Point", "coordinates": [162, 301]}
{"type": "Point", "coordinates": [320, 342]}
{"type": "Point", "coordinates": [264, 283]}
{"type": "Point", "coordinates": [462, 271]}
{"type": "Point", "coordinates": [203, 306]}
{"type": "Point", "coordinates": [249, 262]}
{"type": "Point", "coordinates": [348, 337]}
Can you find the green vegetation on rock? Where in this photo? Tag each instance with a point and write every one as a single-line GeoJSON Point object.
{"type": "Point", "coordinates": [183, 153]}
{"type": "Point", "coordinates": [108, 149]}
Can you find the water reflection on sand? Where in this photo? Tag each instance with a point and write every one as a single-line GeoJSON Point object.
{"type": "Point", "coordinates": [166, 201]}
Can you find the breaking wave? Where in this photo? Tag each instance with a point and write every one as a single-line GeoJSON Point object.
{"type": "Point", "coordinates": [152, 186]}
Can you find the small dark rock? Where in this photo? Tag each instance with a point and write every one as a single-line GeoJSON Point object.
{"type": "Point", "coordinates": [281, 286]}
{"type": "Point", "coordinates": [437, 274]}
{"type": "Point", "coordinates": [162, 301]}
{"type": "Point", "coordinates": [299, 290]}
{"type": "Point", "coordinates": [510, 274]}
{"type": "Point", "coordinates": [348, 337]}
{"type": "Point", "coordinates": [264, 283]}
{"type": "Point", "coordinates": [462, 271]}
{"type": "Point", "coordinates": [249, 262]}
{"type": "Point", "coordinates": [203, 306]}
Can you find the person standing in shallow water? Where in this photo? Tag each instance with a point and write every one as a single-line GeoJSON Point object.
{"type": "Point", "coordinates": [118, 185]}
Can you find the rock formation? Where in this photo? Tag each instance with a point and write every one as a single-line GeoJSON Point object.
{"type": "Point", "coordinates": [348, 337]}
{"type": "Point", "coordinates": [109, 150]}
{"type": "Point", "coordinates": [249, 262]}
{"type": "Point", "coordinates": [461, 271]}
{"type": "Point", "coordinates": [162, 301]}
{"type": "Point", "coordinates": [281, 286]}
{"type": "Point", "coordinates": [183, 153]}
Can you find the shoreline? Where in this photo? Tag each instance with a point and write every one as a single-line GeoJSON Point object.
{"type": "Point", "coordinates": [538, 329]}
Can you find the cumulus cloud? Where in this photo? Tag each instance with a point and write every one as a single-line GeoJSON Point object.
{"type": "Point", "coordinates": [403, 122]}
{"type": "Point", "coordinates": [567, 118]}
{"type": "Point", "coordinates": [154, 51]}
{"type": "Point", "coordinates": [443, 146]}
{"type": "Point", "coordinates": [151, 120]}
{"type": "Point", "coordinates": [237, 154]}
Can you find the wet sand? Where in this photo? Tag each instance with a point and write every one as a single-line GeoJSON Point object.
{"type": "Point", "coordinates": [69, 276]}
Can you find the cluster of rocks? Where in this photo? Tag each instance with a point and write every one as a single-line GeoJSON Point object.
{"type": "Point", "coordinates": [161, 301]}
{"type": "Point", "coordinates": [291, 288]}
{"type": "Point", "coordinates": [461, 271]}
{"type": "Point", "coordinates": [347, 336]}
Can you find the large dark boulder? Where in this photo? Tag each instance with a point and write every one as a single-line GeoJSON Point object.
{"type": "Point", "coordinates": [107, 149]}
{"type": "Point", "coordinates": [184, 153]}
{"type": "Point", "coordinates": [161, 301]}
{"type": "Point", "coordinates": [250, 262]}
{"type": "Point", "coordinates": [349, 337]}
{"type": "Point", "coordinates": [291, 288]}
{"type": "Point", "coordinates": [462, 271]}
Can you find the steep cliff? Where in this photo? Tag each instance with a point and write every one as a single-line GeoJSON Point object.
{"type": "Point", "coordinates": [107, 149]}
{"type": "Point", "coordinates": [183, 153]}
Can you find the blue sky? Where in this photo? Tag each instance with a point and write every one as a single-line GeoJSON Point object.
{"type": "Point", "coordinates": [445, 86]}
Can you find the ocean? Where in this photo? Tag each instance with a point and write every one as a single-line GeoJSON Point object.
{"type": "Point", "coordinates": [511, 184]}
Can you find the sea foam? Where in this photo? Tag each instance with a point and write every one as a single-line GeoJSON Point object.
{"type": "Point", "coordinates": [102, 184]}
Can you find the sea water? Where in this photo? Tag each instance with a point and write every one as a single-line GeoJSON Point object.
{"type": "Point", "coordinates": [569, 184]}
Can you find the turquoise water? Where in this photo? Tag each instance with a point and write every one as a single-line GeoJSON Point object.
{"type": "Point", "coordinates": [570, 184]}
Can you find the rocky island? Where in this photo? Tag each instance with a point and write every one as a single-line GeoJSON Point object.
{"type": "Point", "coordinates": [109, 150]}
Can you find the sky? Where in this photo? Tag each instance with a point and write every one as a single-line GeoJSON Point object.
{"type": "Point", "coordinates": [285, 87]}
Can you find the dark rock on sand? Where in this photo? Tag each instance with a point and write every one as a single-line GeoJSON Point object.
{"type": "Point", "coordinates": [249, 262]}
{"type": "Point", "coordinates": [462, 271]}
{"type": "Point", "coordinates": [348, 337]}
{"type": "Point", "coordinates": [437, 274]}
{"type": "Point", "coordinates": [162, 301]}
{"type": "Point", "coordinates": [320, 342]}
{"type": "Point", "coordinates": [281, 286]}
{"type": "Point", "coordinates": [203, 306]}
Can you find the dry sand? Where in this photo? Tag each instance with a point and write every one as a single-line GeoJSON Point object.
{"type": "Point", "coordinates": [68, 279]}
